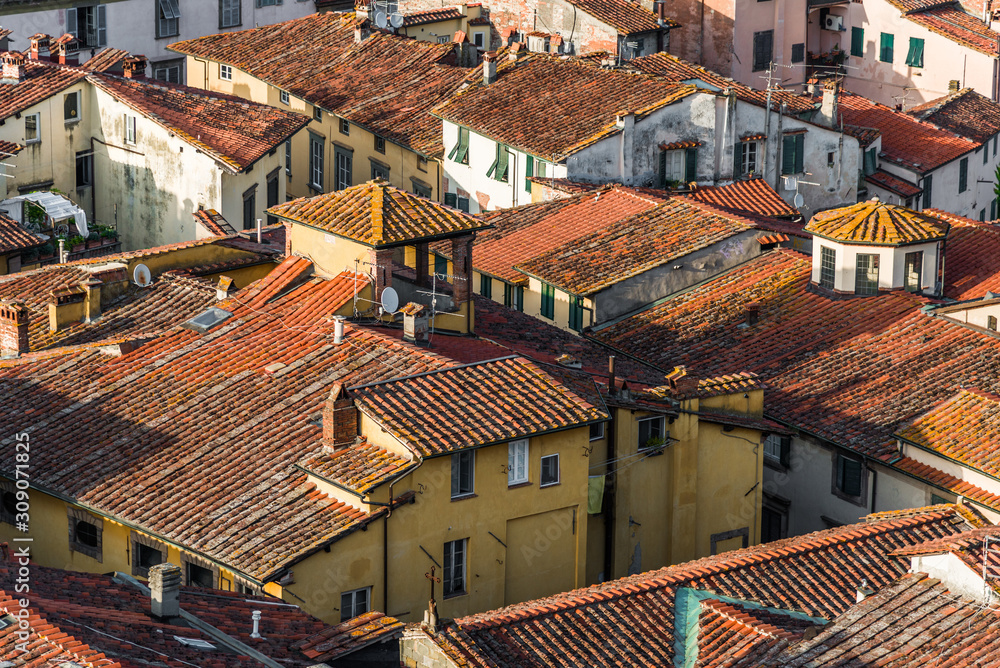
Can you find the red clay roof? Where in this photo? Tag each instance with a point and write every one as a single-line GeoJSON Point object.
{"type": "Point", "coordinates": [377, 214]}
{"type": "Point", "coordinates": [432, 16]}
{"type": "Point", "coordinates": [906, 140]}
{"type": "Point", "coordinates": [315, 58]}
{"type": "Point", "coordinates": [973, 248]}
{"type": "Point", "coordinates": [106, 60]}
{"type": "Point", "coordinates": [952, 22]}
{"type": "Point", "coordinates": [42, 80]}
{"type": "Point", "coordinates": [360, 468]}
{"type": "Point", "coordinates": [753, 196]}
{"type": "Point", "coordinates": [966, 113]}
{"type": "Point", "coordinates": [13, 237]}
{"type": "Point", "coordinates": [230, 129]}
{"type": "Point", "coordinates": [496, 401]}
{"type": "Point", "coordinates": [943, 480]}
{"type": "Point", "coordinates": [563, 104]}
{"type": "Point", "coordinates": [214, 222]}
{"type": "Point", "coordinates": [628, 18]}
{"type": "Point", "coordinates": [874, 222]}
{"type": "Point", "coordinates": [350, 636]}
{"type": "Point", "coordinates": [816, 574]}
{"type": "Point", "coordinates": [893, 183]}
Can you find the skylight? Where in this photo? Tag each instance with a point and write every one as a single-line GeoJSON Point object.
{"type": "Point", "coordinates": [208, 319]}
{"type": "Point", "coordinates": [195, 642]}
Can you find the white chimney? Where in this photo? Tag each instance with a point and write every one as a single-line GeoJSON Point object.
{"type": "Point", "coordinates": [165, 590]}
{"type": "Point", "coordinates": [338, 329]}
{"type": "Point", "coordinates": [828, 109]}
{"type": "Point", "coordinates": [489, 68]}
{"type": "Point", "coordinates": [255, 616]}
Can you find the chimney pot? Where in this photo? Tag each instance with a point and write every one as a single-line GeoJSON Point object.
{"type": "Point", "coordinates": [828, 108]}
{"type": "Point", "coordinates": [753, 313]}
{"type": "Point", "coordinates": [92, 300]}
{"type": "Point", "coordinates": [864, 591]}
{"type": "Point", "coordinates": [611, 374]}
{"type": "Point", "coordinates": [338, 329]}
{"type": "Point", "coordinates": [13, 67]}
{"type": "Point", "coordinates": [225, 288]}
{"type": "Point", "coordinates": [134, 67]}
{"type": "Point", "coordinates": [164, 590]}
{"type": "Point", "coordinates": [14, 321]}
{"type": "Point", "coordinates": [489, 67]}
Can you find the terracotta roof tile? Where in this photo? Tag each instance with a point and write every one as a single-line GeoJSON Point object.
{"type": "Point", "coordinates": [230, 129]}
{"type": "Point", "coordinates": [13, 237]}
{"type": "Point", "coordinates": [875, 222]}
{"type": "Point", "coordinates": [962, 28]}
{"type": "Point", "coordinates": [966, 113]}
{"type": "Point", "coordinates": [214, 222]}
{"type": "Point", "coordinates": [107, 60]}
{"type": "Point", "coordinates": [377, 214]}
{"type": "Point", "coordinates": [42, 80]}
{"type": "Point", "coordinates": [973, 251]}
{"type": "Point", "coordinates": [752, 196]}
{"type": "Point", "coordinates": [359, 468]}
{"type": "Point", "coordinates": [315, 58]}
{"type": "Point", "coordinates": [350, 636]}
{"type": "Point", "coordinates": [626, 17]}
{"type": "Point", "coordinates": [432, 16]}
{"type": "Point", "coordinates": [945, 481]}
{"type": "Point", "coordinates": [893, 183]}
{"type": "Point", "coordinates": [564, 104]}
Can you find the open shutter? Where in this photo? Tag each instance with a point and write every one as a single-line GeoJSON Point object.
{"type": "Point", "coordinates": [690, 165]}
{"type": "Point", "coordinates": [71, 26]}
{"type": "Point", "coordinates": [102, 26]}
{"type": "Point", "coordinates": [493, 168]}
{"type": "Point", "coordinates": [786, 448]}
{"type": "Point", "coordinates": [502, 156]}
{"type": "Point", "coordinates": [663, 168]}
{"type": "Point", "coordinates": [738, 160]}
{"type": "Point", "coordinates": [529, 171]}
{"type": "Point", "coordinates": [800, 153]}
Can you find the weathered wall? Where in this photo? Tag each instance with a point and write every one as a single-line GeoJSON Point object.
{"type": "Point", "coordinates": [706, 33]}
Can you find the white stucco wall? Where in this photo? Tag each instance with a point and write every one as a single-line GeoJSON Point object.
{"type": "Point", "coordinates": [975, 315]}
{"type": "Point", "coordinates": [891, 264]}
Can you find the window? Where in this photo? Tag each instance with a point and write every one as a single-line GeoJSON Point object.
{"type": "Point", "coordinates": [597, 431]}
{"type": "Point", "coordinates": [991, 322]}
{"type": "Point", "coordinates": [32, 128]}
{"type": "Point", "coordinates": [441, 265]}
{"type": "Point", "coordinates": [288, 156]}
{"type": "Point", "coordinates": [71, 107]}
{"type": "Point", "coordinates": [912, 267]}
{"type": "Point", "coordinates": [345, 127]}
{"type": "Point", "coordinates": [866, 274]}
{"type": "Point", "coordinates": [229, 14]}
{"type": "Point", "coordinates": [462, 203]}
{"type": "Point", "coordinates": [517, 462]}
{"type": "Point", "coordinates": [986, 153]}
{"type": "Point", "coordinates": [422, 189]}
{"type": "Point", "coordinates": [550, 471]}
{"type": "Point", "coordinates": [858, 42]}
{"type": "Point", "coordinates": [529, 171]}
{"type": "Point", "coordinates": [268, 3]}
{"type": "Point", "coordinates": [453, 573]}
{"type": "Point", "coordinates": [379, 144]}
{"type": "Point", "coordinates": [651, 432]}
{"type": "Point", "coordinates": [798, 52]}
{"type": "Point", "coordinates": [199, 576]}
{"type": "Point", "coordinates": [88, 25]}
{"type": "Point", "coordinates": [746, 158]}
{"type": "Point", "coordinates": [283, 97]}
{"type": "Point", "coordinates": [982, 215]}
{"type": "Point", "coordinates": [498, 170]}
{"type": "Point", "coordinates": [421, 163]}
{"type": "Point", "coordinates": [168, 70]}
{"type": "Point", "coordinates": [130, 134]}
{"type": "Point", "coordinates": [915, 56]}
{"type": "Point", "coordinates": [226, 72]}
{"type": "Point", "coordinates": [540, 168]}
{"type": "Point", "coordinates": [168, 18]}
{"type": "Point", "coordinates": [146, 553]}
{"type": "Point", "coordinates": [993, 209]}
{"type": "Point", "coordinates": [885, 52]}
{"type": "Point", "coordinates": [84, 169]}
{"type": "Point", "coordinates": [317, 114]}
{"type": "Point", "coordinates": [827, 266]}
{"type": "Point", "coordinates": [343, 167]}
{"type": "Point", "coordinates": [793, 153]}
{"type": "Point", "coordinates": [928, 181]}
{"type": "Point", "coordinates": [848, 476]}
{"type": "Point", "coordinates": [871, 162]}
{"type": "Point", "coordinates": [316, 161]}
{"type": "Point", "coordinates": [463, 473]}
{"type": "Point", "coordinates": [576, 313]}
{"type": "Point", "coordinates": [380, 170]}
{"type": "Point", "coordinates": [477, 39]}
{"type": "Point", "coordinates": [963, 175]}
{"type": "Point", "coordinates": [763, 50]}
{"type": "Point", "coordinates": [771, 522]}
{"type": "Point", "coordinates": [250, 208]}
{"type": "Point", "coordinates": [486, 286]}
{"type": "Point", "coordinates": [513, 296]}
{"type": "Point", "coordinates": [354, 603]}
{"type": "Point", "coordinates": [831, 158]}
{"type": "Point", "coordinates": [548, 307]}
{"type": "Point", "coordinates": [777, 449]}
{"type": "Point", "coordinates": [672, 167]}
{"type": "Point", "coordinates": [460, 153]}
{"type": "Point", "coordinates": [85, 533]}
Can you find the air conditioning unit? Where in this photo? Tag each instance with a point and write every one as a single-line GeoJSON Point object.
{"type": "Point", "coordinates": [833, 22]}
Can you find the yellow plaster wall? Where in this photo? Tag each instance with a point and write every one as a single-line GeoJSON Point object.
{"type": "Point", "coordinates": [730, 464]}
{"type": "Point", "coordinates": [330, 254]}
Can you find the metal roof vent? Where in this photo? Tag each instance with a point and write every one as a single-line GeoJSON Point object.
{"type": "Point", "coordinates": [5, 621]}
{"type": "Point", "coordinates": [205, 321]}
{"type": "Point", "coordinates": [194, 642]}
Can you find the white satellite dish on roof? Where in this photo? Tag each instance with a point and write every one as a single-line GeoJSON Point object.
{"type": "Point", "coordinates": [396, 20]}
{"type": "Point", "coordinates": [142, 276]}
{"type": "Point", "coordinates": [799, 200]}
{"type": "Point", "coordinates": [390, 300]}
{"type": "Point", "coordinates": [380, 20]}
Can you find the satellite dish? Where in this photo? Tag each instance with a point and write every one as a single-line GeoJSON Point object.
{"type": "Point", "coordinates": [396, 20]}
{"type": "Point", "coordinates": [390, 300]}
{"type": "Point", "coordinates": [380, 20]}
{"type": "Point", "coordinates": [141, 275]}
{"type": "Point", "coordinates": [799, 200]}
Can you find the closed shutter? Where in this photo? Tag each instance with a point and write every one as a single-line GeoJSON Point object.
{"type": "Point", "coordinates": [102, 26]}
{"type": "Point", "coordinates": [663, 169]}
{"type": "Point", "coordinates": [450, 199]}
{"type": "Point", "coordinates": [738, 160]}
{"type": "Point", "coordinates": [71, 26]}
{"type": "Point", "coordinates": [858, 42]}
{"type": "Point", "coordinates": [502, 156]}
{"type": "Point", "coordinates": [690, 165]}
{"type": "Point", "coordinates": [788, 155]}
{"type": "Point", "coordinates": [915, 56]}
{"type": "Point", "coordinates": [529, 171]}
{"type": "Point", "coordinates": [800, 153]}
{"type": "Point", "coordinates": [927, 191]}
{"type": "Point", "coordinates": [885, 54]}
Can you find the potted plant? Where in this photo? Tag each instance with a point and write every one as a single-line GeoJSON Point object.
{"type": "Point", "coordinates": [46, 251]}
{"type": "Point", "coordinates": [77, 243]}
{"type": "Point", "coordinates": [108, 235]}
{"type": "Point", "coordinates": [93, 239]}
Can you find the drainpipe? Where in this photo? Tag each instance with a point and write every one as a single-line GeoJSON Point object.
{"type": "Point", "coordinates": [93, 184]}
{"type": "Point", "coordinates": [609, 484]}
{"type": "Point", "coordinates": [385, 553]}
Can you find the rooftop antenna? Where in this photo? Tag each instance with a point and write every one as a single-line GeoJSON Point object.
{"type": "Point", "coordinates": [389, 301]}
{"type": "Point", "coordinates": [431, 616]}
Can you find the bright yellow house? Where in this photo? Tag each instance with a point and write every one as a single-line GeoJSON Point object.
{"type": "Point", "coordinates": [367, 92]}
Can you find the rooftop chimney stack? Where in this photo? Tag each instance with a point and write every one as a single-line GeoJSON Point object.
{"type": "Point", "coordinates": [134, 67]}
{"type": "Point", "coordinates": [39, 46]}
{"type": "Point", "coordinates": [828, 109]}
{"type": "Point", "coordinates": [66, 52]}
{"type": "Point", "coordinates": [13, 67]}
{"type": "Point", "coordinates": [92, 299]}
{"type": "Point", "coordinates": [225, 288]}
{"type": "Point", "coordinates": [14, 321]}
{"type": "Point", "coordinates": [164, 590]}
{"type": "Point", "coordinates": [489, 67]}
{"type": "Point", "coordinates": [362, 29]}
{"type": "Point", "coordinates": [338, 329]}
{"type": "Point", "coordinates": [340, 420]}
{"type": "Point", "coordinates": [612, 380]}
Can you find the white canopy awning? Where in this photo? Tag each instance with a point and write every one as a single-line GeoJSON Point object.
{"type": "Point", "coordinates": [56, 206]}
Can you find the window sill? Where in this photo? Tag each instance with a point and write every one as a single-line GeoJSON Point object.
{"type": "Point", "coordinates": [456, 594]}
{"type": "Point", "coordinates": [652, 452]}
{"type": "Point", "coordinates": [235, 25]}
{"type": "Point", "coordinates": [464, 497]}
{"type": "Point", "coordinates": [773, 464]}
{"type": "Point", "coordinates": [72, 121]}
{"type": "Point", "coordinates": [526, 483]}
{"type": "Point", "coordinates": [550, 484]}
{"type": "Point", "coordinates": [32, 141]}
{"type": "Point", "coordinates": [174, 36]}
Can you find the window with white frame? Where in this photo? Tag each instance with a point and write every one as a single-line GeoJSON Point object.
{"type": "Point", "coordinates": [288, 156]}
{"type": "Point", "coordinates": [32, 128]}
{"type": "Point", "coordinates": [168, 18]}
{"type": "Point", "coordinates": [88, 25]}
{"type": "Point", "coordinates": [453, 573]}
{"type": "Point", "coordinates": [226, 72]}
{"type": "Point", "coordinates": [130, 133]}
{"type": "Point", "coordinates": [283, 96]}
{"type": "Point", "coordinates": [316, 161]}
{"type": "Point", "coordinates": [550, 471]}
{"type": "Point", "coordinates": [344, 167]}
{"type": "Point", "coordinates": [652, 432]}
{"type": "Point", "coordinates": [229, 13]}
{"type": "Point", "coordinates": [673, 166]}
{"type": "Point", "coordinates": [355, 603]}
{"type": "Point", "coordinates": [776, 449]}
{"type": "Point", "coordinates": [517, 462]}
{"type": "Point", "coordinates": [463, 474]}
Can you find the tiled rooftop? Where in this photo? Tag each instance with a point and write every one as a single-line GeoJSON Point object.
{"type": "Point", "coordinates": [377, 214]}
{"type": "Point", "coordinates": [628, 18]}
{"type": "Point", "coordinates": [480, 404]}
{"type": "Point", "coordinates": [906, 140]}
{"type": "Point", "coordinates": [816, 574]}
{"type": "Point", "coordinates": [42, 79]}
{"type": "Point", "coordinates": [106, 60]}
{"type": "Point", "coordinates": [752, 196]}
{"type": "Point", "coordinates": [315, 58]}
{"type": "Point", "coordinates": [350, 636]}
{"type": "Point", "coordinates": [893, 183]}
{"type": "Point", "coordinates": [214, 222]}
{"type": "Point", "coordinates": [359, 468]}
{"type": "Point", "coordinates": [82, 617]}
{"type": "Point", "coordinates": [207, 407]}
{"type": "Point", "coordinates": [564, 104]}
{"type": "Point", "coordinates": [875, 222]}
{"type": "Point", "coordinates": [230, 129]}
{"type": "Point", "coordinates": [432, 16]}
{"type": "Point", "coordinates": [972, 252]}
{"type": "Point", "coordinates": [952, 22]}
{"type": "Point", "coordinates": [966, 113]}
{"type": "Point", "coordinates": [13, 237]}
{"type": "Point", "coordinates": [633, 246]}
{"type": "Point", "coordinates": [942, 480]}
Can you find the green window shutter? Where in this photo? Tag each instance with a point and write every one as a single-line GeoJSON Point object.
{"type": "Point", "coordinates": [450, 199]}
{"type": "Point", "coordinates": [541, 169]}
{"type": "Point", "coordinates": [915, 56]}
{"type": "Point", "coordinates": [502, 156]}
{"type": "Point", "coordinates": [690, 165]}
{"type": "Point", "coordinates": [738, 160]}
{"type": "Point", "coordinates": [963, 175]}
{"type": "Point", "coordinates": [548, 306]}
{"type": "Point", "coordinates": [529, 171]}
{"type": "Point", "coordinates": [492, 171]}
{"type": "Point", "coordinates": [788, 154]}
{"type": "Point", "coordinates": [927, 191]}
{"type": "Point", "coordinates": [461, 151]}
{"type": "Point", "coordinates": [663, 168]}
{"type": "Point", "coordinates": [800, 153]}
{"type": "Point", "coordinates": [486, 286]}
{"type": "Point", "coordinates": [885, 53]}
{"type": "Point", "coordinates": [519, 298]}
{"type": "Point", "coordinates": [440, 264]}
{"type": "Point", "coordinates": [858, 42]}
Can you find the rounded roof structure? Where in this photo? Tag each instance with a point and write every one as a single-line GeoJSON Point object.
{"type": "Point", "coordinates": [876, 223]}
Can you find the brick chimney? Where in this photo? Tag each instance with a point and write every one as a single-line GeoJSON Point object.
{"type": "Point", "coordinates": [13, 67]}
{"type": "Point", "coordinates": [66, 50]}
{"type": "Point", "coordinates": [362, 29]}
{"type": "Point", "coordinates": [489, 67]}
{"type": "Point", "coordinates": [165, 590]}
{"type": "Point", "coordinates": [40, 46]}
{"type": "Point", "coordinates": [382, 259]}
{"type": "Point", "coordinates": [14, 321]}
{"type": "Point", "coordinates": [134, 67]}
{"type": "Point", "coordinates": [340, 420]}
{"type": "Point", "coordinates": [461, 258]}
